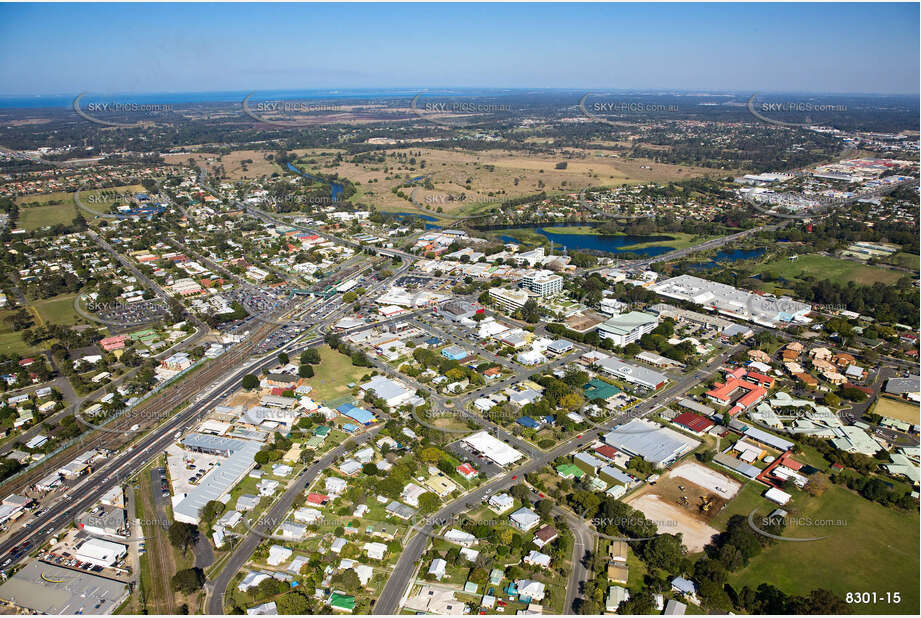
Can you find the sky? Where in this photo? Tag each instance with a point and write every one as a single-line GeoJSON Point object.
{"type": "Point", "coordinates": [150, 48]}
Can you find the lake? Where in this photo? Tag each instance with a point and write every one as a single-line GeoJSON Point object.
{"type": "Point", "coordinates": [595, 242]}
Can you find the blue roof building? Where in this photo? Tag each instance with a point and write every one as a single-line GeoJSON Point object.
{"type": "Point", "coordinates": [527, 421]}
{"type": "Point", "coordinates": [454, 352]}
{"type": "Point", "coordinates": [357, 414]}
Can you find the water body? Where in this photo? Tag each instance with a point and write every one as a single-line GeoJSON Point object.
{"type": "Point", "coordinates": [336, 189]}
{"type": "Point", "coordinates": [596, 242]}
{"type": "Point", "coordinates": [406, 215]}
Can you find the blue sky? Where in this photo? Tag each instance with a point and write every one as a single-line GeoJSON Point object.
{"type": "Point", "coordinates": [110, 48]}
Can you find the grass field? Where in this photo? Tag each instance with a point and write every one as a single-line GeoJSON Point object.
{"type": "Point", "coordinates": [875, 551]}
{"type": "Point", "coordinates": [333, 374]}
{"type": "Point", "coordinates": [57, 310]}
{"type": "Point", "coordinates": [832, 269]}
{"type": "Point", "coordinates": [898, 409]}
{"type": "Point", "coordinates": [905, 260]}
{"type": "Point", "coordinates": [487, 177]}
{"type": "Point", "coordinates": [37, 211]}
{"type": "Point", "coordinates": [10, 341]}
{"type": "Point", "coordinates": [678, 240]}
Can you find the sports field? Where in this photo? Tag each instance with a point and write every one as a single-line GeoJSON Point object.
{"type": "Point", "coordinates": [832, 269]}
{"type": "Point", "coordinates": [57, 310]}
{"type": "Point", "coordinates": [37, 211]}
{"type": "Point", "coordinates": [898, 409]}
{"type": "Point", "coordinates": [868, 548]}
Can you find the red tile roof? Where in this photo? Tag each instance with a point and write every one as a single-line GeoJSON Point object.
{"type": "Point", "coordinates": [607, 451]}
{"type": "Point", "coordinates": [694, 422]}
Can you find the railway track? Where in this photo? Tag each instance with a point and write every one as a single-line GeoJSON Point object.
{"type": "Point", "coordinates": [146, 415]}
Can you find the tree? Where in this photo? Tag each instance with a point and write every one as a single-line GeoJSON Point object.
{"type": "Point", "coordinates": [283, 358]}
{"type": "Point", "coordinates": [665, 552]}
{"type": "Point", "coordinates": [832, 400]}
{"type": "Point", "coordinates": [293, 604]}
{"type": "Point", "coordinates": [188, 580]}
{"type": "Point", "coordinates": [182, 535]}
{"type": "Point", "coordinates": [305, 371]}
{"type": "Point", "coordinates": [211, 511]}
{"type": "Point", "coordinates": [347, 580]}
{"type": "Point", "coordinates": [310, 356]}
{"type": "Point", "coordinates": [250, 381]}
{"type": "Point", "coordinates": [428, 502]}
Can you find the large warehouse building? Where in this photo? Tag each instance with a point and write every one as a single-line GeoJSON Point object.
{"type": "Point", "coordinates": [725, 299]}
{"type": "Point", "coordinates": [241, 457]}
{"type": "Point", "coordinates": [49, 589]}
{"type": "Point", "coordinates": [492, 448]}
{"type": "Point", "coordinates": [652, 442]}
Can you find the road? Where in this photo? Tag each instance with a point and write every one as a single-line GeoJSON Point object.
{"type": "Point", "coordinates": [392, 594]}
{"type": "Point", "coordinates": [273, 518]}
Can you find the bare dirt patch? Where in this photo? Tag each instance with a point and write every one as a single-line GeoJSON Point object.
{"type": "Point", "coordinates": [672, 519]}
{"type": "Point", "coordinates": [685, 500]}
{"type": "Point", "coordinates": [707, 478]}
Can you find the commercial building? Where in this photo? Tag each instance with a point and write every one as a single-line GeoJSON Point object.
{"type": "Point", "coordinates": [633, 374]}
{"type": "Point", "coordinates": [240, 460]}
{"type": "Point", "coordinates": [392, 392]}
{"type": "Point", "coordinates": [100, 552]}
{"type": "Point", "coordinates": [727, 300]}
{"type": "Point", "coordinates": [494, 449]}
{"type": "Point", "coordinates": [652, 442]}
{"type": "Point", "coordinates": [543, 283]}
{"type": "Point", "coordinates": [627, 327]}
{"type": "Point", "coordinates": [49, 589]}
{"type": "Point", "coordinates": [509, 300]}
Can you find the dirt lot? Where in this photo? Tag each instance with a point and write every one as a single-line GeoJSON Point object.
{"type": "Point", "coordinates": [673, 519]}
{"type": "Point", "coordinates": [707, 478]}
{"type": "Point", "coordinates": [681, 510]}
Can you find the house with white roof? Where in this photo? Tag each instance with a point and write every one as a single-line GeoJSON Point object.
{"type": "Point", "coordinates": [524, 518]}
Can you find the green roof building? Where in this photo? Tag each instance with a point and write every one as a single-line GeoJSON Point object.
{"type": "Point", "coordinates": [342, 602]}
{"type": "Point", "coordinates": [569, 470]}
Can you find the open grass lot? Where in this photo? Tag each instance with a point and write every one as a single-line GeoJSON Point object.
{"type": "Point", "coordinates": [832, 269]}
{"type": "Point", "coordinates": [748, 499]}
{"type": "Point", "coordinates": [484, 178]}
{"type": "Point", "coordinates": [11, 341]}
{"type": "Point", "coordinates": [333, 374]}
{"type": "Point", "coordinates": [238, 165]}
{"type": "Point", "coordinates": [898, 409]}
{"type": "Point", "coordinates": [876, 551]}
{"type": "Point", "coordinates": [38, 211]}
{"type": "Point", "coordinates": [905, 260]}
{"type": "Point", "coordinates": [678, 240]}
{"type": "Point", "coordinates": [57, 310]}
